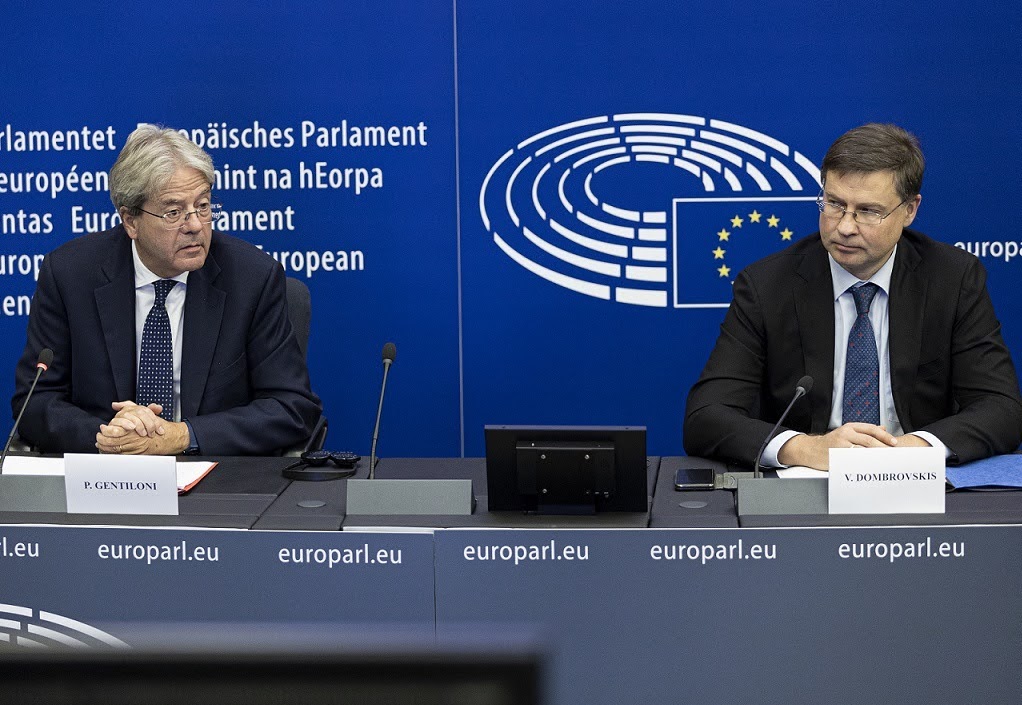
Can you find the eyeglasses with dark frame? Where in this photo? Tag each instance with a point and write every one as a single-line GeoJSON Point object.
{"type": "Point", "coordinates": [176, 217]}
{"type": "Point", "coordinates": [863, 216]}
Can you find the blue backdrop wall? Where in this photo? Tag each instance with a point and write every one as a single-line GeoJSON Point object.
{"type": "Point", "coordinates": [542, 204]}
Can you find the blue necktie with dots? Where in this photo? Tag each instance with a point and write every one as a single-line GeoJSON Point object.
{"type": "Point", "coordinates": [156, 364]}
{"type": "Point", "coordinates": [862, 364]}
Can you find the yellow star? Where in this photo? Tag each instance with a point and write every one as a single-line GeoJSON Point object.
{"type": "Point", "coordinates": [773, 221]}
{"type": "Point", "coordinates": [724, 270]}
{"type": "Point", "coordinates": [786, 234]}
{"type": "Point", "coordinates": [723, 234]}
{"type": "Point", "coordinates": [755, 216]}
{"type": "Point", "coordinates": [737, 222]}
{"type": "Point", "coordinates": [718, 254]}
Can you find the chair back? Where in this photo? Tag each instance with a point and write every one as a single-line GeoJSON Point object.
{"type": "Point", "coordinates": [299, 310]}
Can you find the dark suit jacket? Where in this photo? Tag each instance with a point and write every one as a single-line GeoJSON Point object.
{"type": "Point", "coordinates": [951, 373]}
{"type": "Point", "coordinates": [244, 383]}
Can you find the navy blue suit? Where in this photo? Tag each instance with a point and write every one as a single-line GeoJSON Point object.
{"type": "Point", "coordinates": [244, 382]}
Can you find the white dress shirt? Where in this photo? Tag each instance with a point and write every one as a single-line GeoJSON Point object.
{"type": "Point", "coordinates": [844, 317]}
{"type": "Point", "coordinates": [145, 297]}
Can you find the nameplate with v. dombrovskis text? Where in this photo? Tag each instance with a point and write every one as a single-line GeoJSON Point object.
{"type": "Point", "coordinates": [886, 481]}
{"type": "Point", "coordinates": [120, 484]}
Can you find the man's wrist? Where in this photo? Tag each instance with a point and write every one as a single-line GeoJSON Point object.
{"type": "Point", "coordinates": [787, 454]}
{"type": "Point", "coordinates": [175, 439]}
{"type": "Point", "coordinates": [191, 443]}
{"type": "Point", "coordinates": [799, 450]}
{"type": "Point", "coordinates": [771, 454]}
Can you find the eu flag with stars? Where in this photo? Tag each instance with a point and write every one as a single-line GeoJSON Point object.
{"type": "Point", "coordinates": [715, 238]}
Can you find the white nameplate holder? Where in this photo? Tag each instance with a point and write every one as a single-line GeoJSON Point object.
{"type": "Point", "coordinates": [120, 484]}
{"type": "Point", "coordinates": [886, 481]}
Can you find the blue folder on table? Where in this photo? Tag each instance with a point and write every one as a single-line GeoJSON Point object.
{"type": "Point", "coordinates": [997, 472]}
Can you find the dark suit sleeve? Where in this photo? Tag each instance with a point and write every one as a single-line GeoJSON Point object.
{"type": "Point", "coordinates": [261, 402]}
{"type": "Point", "coordinates": [986, 416]}
{"type": "Point", "coordinates": [53, 421]}
{"type": "Point", "coordinates": [721, 412]}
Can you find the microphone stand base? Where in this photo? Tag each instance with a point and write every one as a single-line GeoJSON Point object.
{"type": "Point", "coordinates": [410, 497]}
{"type": "Point", "coordinates": [758, 496]}
{"type": "Point", "coordinates": [32, 493]}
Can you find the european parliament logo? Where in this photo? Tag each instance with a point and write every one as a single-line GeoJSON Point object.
{"type": "Point", "coordinates": [582, 205]}
{"type": "Point", "coordinates": [30, 628]}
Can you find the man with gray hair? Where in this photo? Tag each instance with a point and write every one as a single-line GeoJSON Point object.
{"type": "Point", "coordinates": [897, 331]}
{"type": "Point", "coordinates": [168, 337]}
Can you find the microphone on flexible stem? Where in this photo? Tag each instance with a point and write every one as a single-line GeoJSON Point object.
{"type": "Point", "coordinates": [803, 387]}
{"type": "Point", "coordinates": [391, 496]}
{"type": "Point", "coordinates": [45, 360]}
{"type": "Point", "coordinates": [389, 352]}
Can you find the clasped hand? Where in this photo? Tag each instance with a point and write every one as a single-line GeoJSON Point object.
{"type": "Point", "coordinates": [814, 451]}
{"type": "Point", "coordinates": [136, 430]}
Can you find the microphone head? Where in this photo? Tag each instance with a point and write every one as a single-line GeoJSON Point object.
{"type": "Point", "coordinates": [45, 358]}
{"type": "Point", "coordinates": [389, 352]}
{"type": "Point", "coordinates": [806, 383]}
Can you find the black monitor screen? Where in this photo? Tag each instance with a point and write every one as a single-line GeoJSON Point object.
{"type": "Point", "coordinates": [566, 469]}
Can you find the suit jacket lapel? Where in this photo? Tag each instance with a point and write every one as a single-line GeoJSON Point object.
{"type": "Point", "coordinates": [115, 302]}
{"type": "Point", "coordinates": [204, 308]}
{"type": "Point", "coordinates": [814, 308]}
{"type": "Point", "coordinates": [905, 337]}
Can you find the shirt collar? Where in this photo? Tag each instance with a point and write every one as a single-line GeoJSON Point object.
{"type": "Point", "coordinates": [843, 280]}
{"type": "Point", "coordinates": [144, 276]}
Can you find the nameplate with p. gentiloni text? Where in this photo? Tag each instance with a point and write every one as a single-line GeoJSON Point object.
{"type": "Point", "coordinates": [886, 481]}
{"type": "Point", "coordinates": [120, 484]}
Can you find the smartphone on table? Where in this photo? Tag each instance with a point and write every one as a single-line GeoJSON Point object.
{"type": "Point", "coordinates": [693, 479]}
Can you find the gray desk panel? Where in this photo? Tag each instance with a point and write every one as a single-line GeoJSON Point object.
{"type": "Point", "coordinates": [206, 521]}
{"type": "Point", "coordinates": [690, 509]}
{"type": "Point", "coordinates": [232, 496]}
{"type": "Point", "coordinates": [287, 512]}
{"type": "Point", "coordinates": [251, 493]}
{"type": "Point", "coordinates": [244, 475]}
{"type": "Point", "coordinates": [225, 504]}
{"type": "Point", "coordinates": [961, 507]}
{"type": "Point", "coordinates": [295, 508]}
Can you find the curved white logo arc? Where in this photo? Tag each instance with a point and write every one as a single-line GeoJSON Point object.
{"type": "Point", "coordinates": [539, 204]}
{"type": "Point", "coordinates": [26, 627]}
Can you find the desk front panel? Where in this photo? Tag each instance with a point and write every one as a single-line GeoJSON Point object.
{"type": "Point", "coordinates": [108, 576]}
{"type": "Point", "coordinates": [850, 615]}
